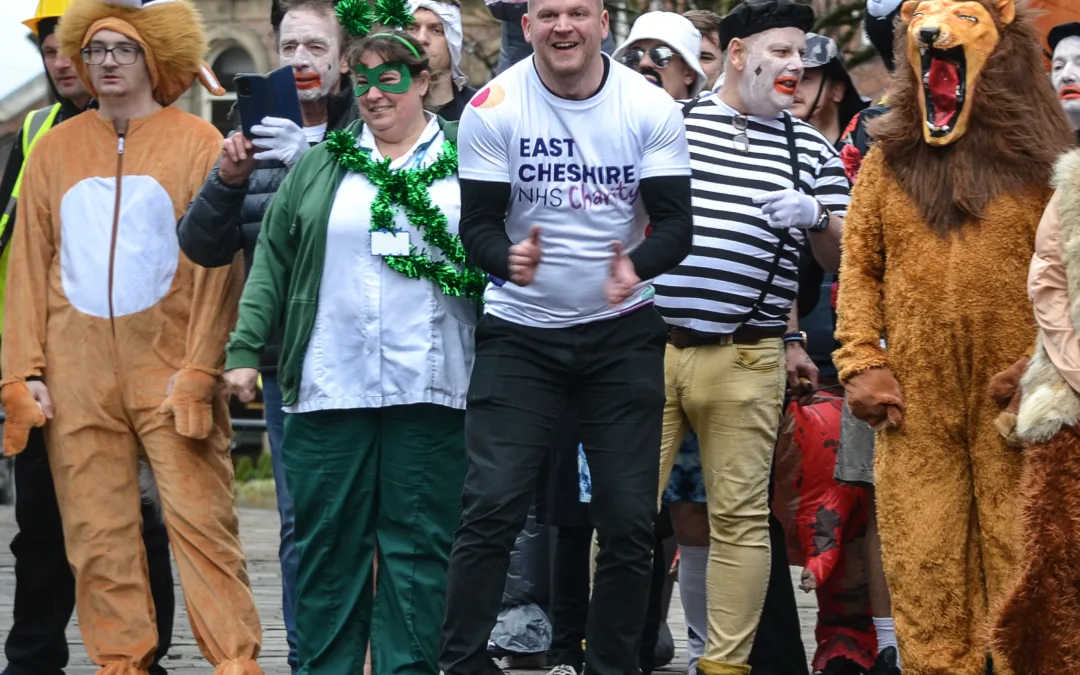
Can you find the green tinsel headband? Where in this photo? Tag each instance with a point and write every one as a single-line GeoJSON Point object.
{"type": "Point", "coordinates": [357, 16]}
{"type": "Point", "coordinates": [402, 41]}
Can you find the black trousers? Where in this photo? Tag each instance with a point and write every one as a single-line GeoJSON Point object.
{"type": "Point", "coordinates": [612, 372]}
{"type": "Point", "coordinates": [778, 648]}
{"type": "Point", "coordinates": [44, 584]}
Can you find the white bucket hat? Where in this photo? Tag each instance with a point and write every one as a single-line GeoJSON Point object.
{"type": "Point", "coordinates": [675, 31]}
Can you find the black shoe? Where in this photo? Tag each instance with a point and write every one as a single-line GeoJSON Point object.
{"type": "Point", "coordinates": [886, 663]}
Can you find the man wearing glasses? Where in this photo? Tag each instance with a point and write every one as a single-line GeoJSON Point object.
{"type": "Point", "coordinates": [44, 585]}
{"type": "Point", "coordinates": [666, 48]}
{"type": "Point", "coordinates": [764, 185]}
{"type": "Point", "coordinates": [114, 340]}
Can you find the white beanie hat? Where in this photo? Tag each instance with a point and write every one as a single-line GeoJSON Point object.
{"type": "Point", "coordinates": [452, 28]}
{"type": "Point", "coordinates": [674, 30]}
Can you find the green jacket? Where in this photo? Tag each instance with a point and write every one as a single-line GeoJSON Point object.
{"type": "Point", "coordinates": [283, 285]}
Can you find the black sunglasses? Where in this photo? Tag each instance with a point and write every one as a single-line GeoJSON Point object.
{"type": "Point", "coordinates": [660, 56]}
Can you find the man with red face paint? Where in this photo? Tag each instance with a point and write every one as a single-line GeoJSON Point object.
{"type": "Point", "coordinates": [227, 214]}
{"type": "Point", "coordinates": [767, 187]}
{"type": "Point", "coordinates": [1065, 70]}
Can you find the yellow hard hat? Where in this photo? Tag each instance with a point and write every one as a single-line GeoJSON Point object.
{"type": "Point", "coordinates": [46, 9]}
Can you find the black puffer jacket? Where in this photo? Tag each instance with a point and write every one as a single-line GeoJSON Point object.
{"type": "Point", "coordinates": [222, 220]}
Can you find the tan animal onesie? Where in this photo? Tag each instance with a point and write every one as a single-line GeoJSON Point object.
{"type": "Point", "coordinates": [104, 308]}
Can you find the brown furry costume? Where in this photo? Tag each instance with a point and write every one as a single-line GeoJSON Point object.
{"type": "Point", "coordinates": [1037, 627]}
{"type": "Point", "coordinates": [128, 337]}
{"type": "Point", "coordinates": [935, 252]}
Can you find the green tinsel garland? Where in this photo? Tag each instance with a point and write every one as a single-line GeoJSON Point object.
{"type": "Point", "coordinates": [394, 13]}
{"type": "Point", "coordinates": [408, 188]}
{"type": "Point", "coordinates": [355, 16]}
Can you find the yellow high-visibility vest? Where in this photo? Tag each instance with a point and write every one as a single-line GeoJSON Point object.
{"type": "Point", "coordinates": [34, 127]}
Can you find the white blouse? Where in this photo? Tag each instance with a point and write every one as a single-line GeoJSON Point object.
{"type": "Point", "coordinates": [381, 338]}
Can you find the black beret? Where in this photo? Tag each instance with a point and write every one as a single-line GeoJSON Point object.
{"type": "Point", "coordinates": [757, 16]}
{"type": "Point", "coordinates": [1059, 33]}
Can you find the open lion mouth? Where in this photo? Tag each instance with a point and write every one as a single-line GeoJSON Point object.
{"type": "Point", "coordinates": [944, 87]}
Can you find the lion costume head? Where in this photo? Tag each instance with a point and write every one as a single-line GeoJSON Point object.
{"type": "Point", "coordinates": [972, 113]}
{"type": "Point", "coordinates": [170, 33]}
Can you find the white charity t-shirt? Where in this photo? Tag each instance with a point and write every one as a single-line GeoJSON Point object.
{"type": "Point", "coordinates": [574, 167]}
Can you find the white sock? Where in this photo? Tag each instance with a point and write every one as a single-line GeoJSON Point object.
{"type": "Point", "coordinates": [692, 563]}
{"type": "Point", "coordinates": [886, 635]}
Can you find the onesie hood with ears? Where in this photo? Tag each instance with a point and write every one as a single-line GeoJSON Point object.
{"type": "Point", "coordinates": [170, 33]}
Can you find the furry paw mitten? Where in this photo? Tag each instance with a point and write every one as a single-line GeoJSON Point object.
{"type": "Point", "coordinates": [1005, 389]}
{"type": "Point", "coordinates": [874, 397]}
{"type": "Point", "coordinates": [191, 403]}
{"type": "Point", "coordinates": [23, 413]}
{"type": "Point", "coordinates": [1005, 385]}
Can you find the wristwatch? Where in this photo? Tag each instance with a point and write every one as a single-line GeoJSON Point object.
{"type": "Point", "coordinates": [797, 336]}
{"type": "Point", "coordinates": [822, 222]}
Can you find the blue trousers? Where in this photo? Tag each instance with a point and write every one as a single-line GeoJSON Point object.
{"type": "Point", "coordinates": [290, 559]}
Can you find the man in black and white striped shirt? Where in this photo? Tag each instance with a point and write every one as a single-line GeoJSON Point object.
{"type": "Point", "coordinates": [729, 305]}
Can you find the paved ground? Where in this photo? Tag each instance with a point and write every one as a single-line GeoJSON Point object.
{"type": "Point", "coordinates": [259, 529]}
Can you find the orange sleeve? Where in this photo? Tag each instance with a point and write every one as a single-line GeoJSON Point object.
{"type": "Point", "coordinates": [22, 350]}
{"type": "Point", "coordinates": [860, 301]}
{"type": "Point", "coordinates": [216, 294]}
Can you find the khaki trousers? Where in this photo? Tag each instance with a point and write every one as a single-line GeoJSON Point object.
{"type": "Point", "coordinates": [731, 396]}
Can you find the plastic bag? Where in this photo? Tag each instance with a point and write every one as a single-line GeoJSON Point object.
{"type": "Point", "coordinates": [523, 627]}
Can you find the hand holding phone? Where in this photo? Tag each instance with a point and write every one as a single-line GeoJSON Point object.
{"type": "Point", "coordinates": [262, 96]}
{"type": "Point", "coordinates": [237, 161]}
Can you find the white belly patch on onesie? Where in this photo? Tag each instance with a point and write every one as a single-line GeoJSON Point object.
{"type": "Point", "coordinates": [147, 249]}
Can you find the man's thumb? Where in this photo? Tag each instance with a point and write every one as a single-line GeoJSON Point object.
{"type": "Point", "coordinates": [617, 247]}
{"type": "Point", "coordinates": [534, 234]}
{"type": "Point", "coordinates": [45, 401]}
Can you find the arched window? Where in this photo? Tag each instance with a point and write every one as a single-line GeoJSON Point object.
{"type": "Point", "coordinates": [228, 64]}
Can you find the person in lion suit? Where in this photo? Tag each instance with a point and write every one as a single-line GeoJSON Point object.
{"type": "Point", "coordinates": [936, 247]}
{"type": "Point", "coordinates": [114, 341]}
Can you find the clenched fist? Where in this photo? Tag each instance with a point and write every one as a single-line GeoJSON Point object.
{"type": "Point", "coordinates": [525, 257]}
{"type": "Point", "coordinates": [241, 383]}
{"type": "Point", "coordinates": [874, 396]}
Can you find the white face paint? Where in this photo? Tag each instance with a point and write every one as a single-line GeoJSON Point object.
{"type": "Point", "coordinates": [310, 42]}
{"type": "Point", "coordinates": [1065, 75]}
{"type": "Point", "coordinates": [772, 70]}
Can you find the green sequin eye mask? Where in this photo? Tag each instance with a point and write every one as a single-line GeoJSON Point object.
{"type": "Point", "coordinates": [372, 76]}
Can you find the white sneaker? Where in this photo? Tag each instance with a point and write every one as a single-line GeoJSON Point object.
{"type": "Point", "coordinates": [563, 670]}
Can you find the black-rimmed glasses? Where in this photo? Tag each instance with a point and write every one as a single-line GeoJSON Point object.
{"type": "Point", "coordinates": [660, 56]}
{"type": "Point", "coordinates": [124, 55]}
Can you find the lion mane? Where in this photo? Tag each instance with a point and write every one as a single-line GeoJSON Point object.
{"type": "Point", "coordinates": [1017, 130]}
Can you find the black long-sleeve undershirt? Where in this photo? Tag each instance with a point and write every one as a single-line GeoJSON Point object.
{"type": "Point", "coordinates": [483, 225]}
{"type": "Point", "coordinates": [667, 202]}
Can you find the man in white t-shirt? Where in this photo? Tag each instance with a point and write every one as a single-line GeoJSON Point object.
{"type": "Point", "coordinates": [565, 159]}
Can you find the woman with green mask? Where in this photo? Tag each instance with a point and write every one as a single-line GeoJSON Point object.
{"type": "Point", "coordinates": [359, 264]}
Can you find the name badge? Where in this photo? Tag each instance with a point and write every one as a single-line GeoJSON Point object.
{"type": "Point", "coordinates": [389, 243]}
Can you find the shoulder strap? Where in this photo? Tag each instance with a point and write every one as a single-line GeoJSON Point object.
{"type": "Point", "coordinates": [784, 236]}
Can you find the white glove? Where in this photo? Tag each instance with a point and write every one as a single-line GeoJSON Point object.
{"type": "Point", "coordinates": [789, 208]}
{"type": "Point", "coordinates": [280, 139]}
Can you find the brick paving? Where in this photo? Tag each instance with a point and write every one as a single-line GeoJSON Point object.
{"type": "Point", "coordinates": [259, 528]}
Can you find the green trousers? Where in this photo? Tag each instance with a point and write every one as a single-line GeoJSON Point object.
{"type": "Point", "coordinates": [385, 479]}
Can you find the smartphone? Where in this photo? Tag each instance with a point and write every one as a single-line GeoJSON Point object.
{"type": "Point", "coordinates": [273, 95]}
